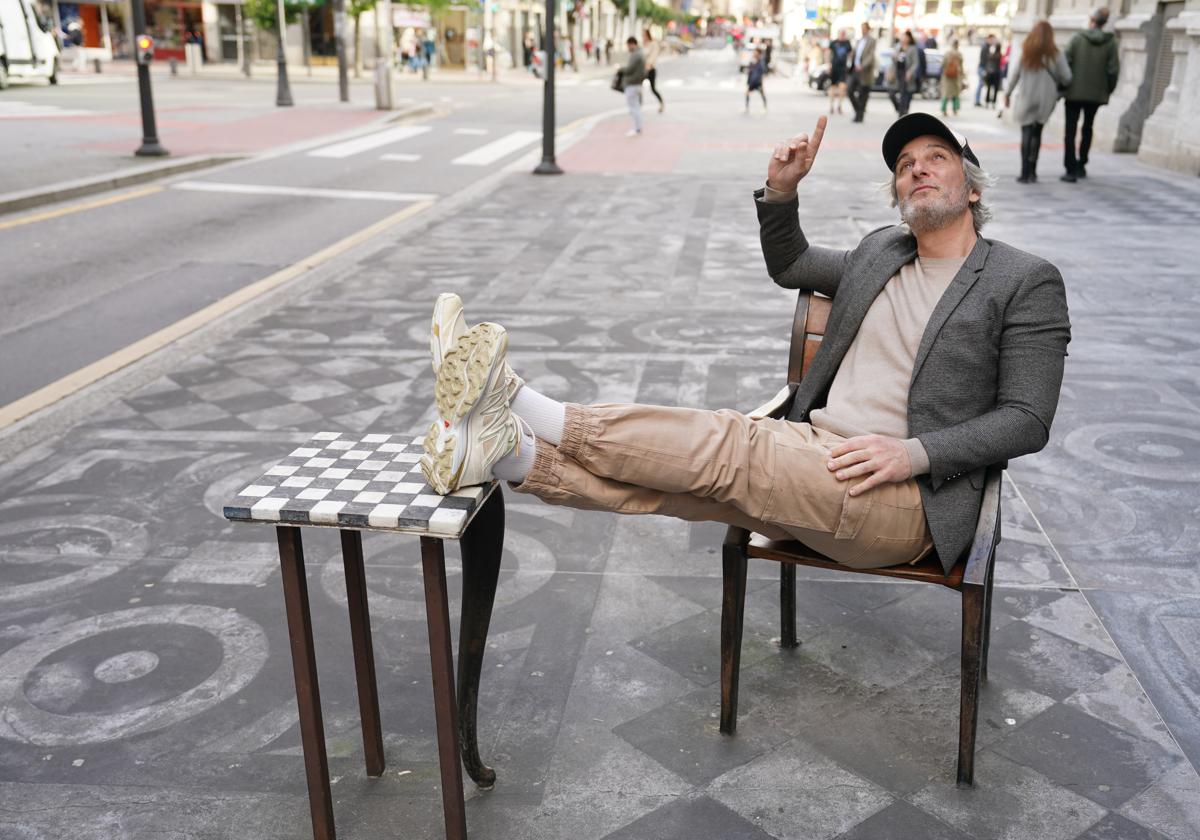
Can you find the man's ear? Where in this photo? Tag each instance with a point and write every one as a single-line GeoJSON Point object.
{"type": "Point", "coordinates": [973, 197]}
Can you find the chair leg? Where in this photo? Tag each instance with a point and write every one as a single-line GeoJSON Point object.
{"type": "Point", "coordinates": [987, 623]}
{"type": "Point", "coordinates": [787, 606]}
{"type": "Point", "coordinates": [733, 610]}
{"type": "Point", "coordinates": [968, 713]}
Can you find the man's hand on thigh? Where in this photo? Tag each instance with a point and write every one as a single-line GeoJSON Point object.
{"type": "Point", "coordinates": [881, 459]}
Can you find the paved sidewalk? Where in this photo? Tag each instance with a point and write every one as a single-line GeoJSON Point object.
{"type": "Point", "coordinates": [145, 682]}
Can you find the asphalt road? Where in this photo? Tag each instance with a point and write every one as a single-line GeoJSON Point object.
{"type": "Point", "coordinates": [77, 287]}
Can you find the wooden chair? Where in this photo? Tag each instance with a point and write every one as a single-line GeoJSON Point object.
{"type": "Point", "coordinates": [971, 575]}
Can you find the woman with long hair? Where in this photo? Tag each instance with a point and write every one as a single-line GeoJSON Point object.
{"type": "Point", "coordinates": [1037, 79]}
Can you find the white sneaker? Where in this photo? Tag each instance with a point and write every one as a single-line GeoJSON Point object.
{"type": "Point", "coordinates": [633, 132]}
{"type": "Point", "coordinates": [448, 326]}
{"type": "Point", "coordinates": [476, 428]}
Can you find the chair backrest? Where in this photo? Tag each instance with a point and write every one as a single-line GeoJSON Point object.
{"type": "Point", "coordinates": [808, 329]}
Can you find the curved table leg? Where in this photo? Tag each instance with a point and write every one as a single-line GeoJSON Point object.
{"type": "Point", "coordinates": [482, 548]}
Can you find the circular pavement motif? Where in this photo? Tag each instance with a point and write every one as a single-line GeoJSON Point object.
{"type": "Point", "coordinates": [243, 653]}
{"type": "Point", "coordinates": [1142, 449]}
{"type": "Point", "coordinates": [124, 540]}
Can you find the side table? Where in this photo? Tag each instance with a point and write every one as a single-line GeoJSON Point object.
{"type": "Point", "coordinates": [372, 483]}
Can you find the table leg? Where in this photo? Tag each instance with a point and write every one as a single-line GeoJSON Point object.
{"type": "Point", "coordinates": [308, 694]}
{"type": "Point", "coordinates": [364, 651]}
{"type": "Point", "coordinates": [482, 548]}
{"type": "Point", "coordinates": [437, 614]}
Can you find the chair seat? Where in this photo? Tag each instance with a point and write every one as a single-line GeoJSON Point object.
{"type": "Point", "coordinates": [929, 570]}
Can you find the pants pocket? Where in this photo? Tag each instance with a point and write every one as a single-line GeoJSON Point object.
{"type": "Point", "coordinates": [804, 493]}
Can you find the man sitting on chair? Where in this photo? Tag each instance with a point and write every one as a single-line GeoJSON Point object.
{"type": "Point", "coordinates": [944, 354]}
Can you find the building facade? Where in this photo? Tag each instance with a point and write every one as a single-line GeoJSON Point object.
{"type": "Point", "coordinates": [1155, 110]}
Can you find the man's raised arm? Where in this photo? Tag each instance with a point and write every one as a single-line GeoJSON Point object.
{"type": "Point", "coordinates": [791, 261]}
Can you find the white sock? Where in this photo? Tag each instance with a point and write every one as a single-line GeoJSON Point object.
{"type": "Point", "coordinates": [544, 415]}
{"type": "Point", "coordinates": [516, 464]}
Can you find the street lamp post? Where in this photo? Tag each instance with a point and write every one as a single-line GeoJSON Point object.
{"type": "Point", "coordinates": [548, 166]}
{"type": "Point", "coordinates": [339, 31]}
{"type": "Point", "coordinates": [150, 146]}
{"type": "Point", "coordinates": [283, 93]}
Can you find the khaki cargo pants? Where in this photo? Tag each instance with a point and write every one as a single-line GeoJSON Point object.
{"type": "Point", "coordinates": [769, 476]}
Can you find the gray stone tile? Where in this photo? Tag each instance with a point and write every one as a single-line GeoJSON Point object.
{"type": "Point", "coordinates": [1116, 827]}
{"type": "Point", "coordinates": [871, 652]}
{"type": "Point", "coordinates": [795, 792]}
{"type": "Point", "coordinates": [684, 736]}
{"type": "Point", "coordinates": [697, 818]}
{"type": "Point", "coordinates": [1171, 805]}
{"type": "Point", "coordinates": [1088, 756]}
{"type": "Point", "coordinates": [901, 821]}
{"type": "Point", "coordinates": [1038, 659]}
{"type": "Point", "coordinates": [1009, 802]}
{"type": "Point", "coordinates": [1117, 698]}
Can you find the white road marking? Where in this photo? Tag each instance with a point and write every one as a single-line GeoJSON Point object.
{"type": "Point", "coordinates": [474, 132]}
{"type": "Point", "coordinates": [369, 141]}
{"type": "Point", "coordinates": [401, 158]}
{"type": "Point", "coordinates": [19, 110]}
{"type": "Point", "coordinates": [673, 83]}
{"type": "Point", "coordinates": [492, 152]}
{"type": "Point", "coordinates": [307, 192]}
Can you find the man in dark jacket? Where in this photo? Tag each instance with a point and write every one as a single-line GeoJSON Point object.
{"type": "Point", "coordinates": [1095, 64]}
{"type": "Point", "coordinates": [943, 355]}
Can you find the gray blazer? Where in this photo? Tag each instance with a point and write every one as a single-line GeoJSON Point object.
{"type": "Point", "coordinates": [988, 370]}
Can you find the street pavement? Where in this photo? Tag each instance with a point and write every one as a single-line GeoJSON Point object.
{"type": "Point", "coordinates": [145, 680]}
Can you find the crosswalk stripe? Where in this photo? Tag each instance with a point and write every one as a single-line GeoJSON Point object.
{"type": "Point", "coordinates": [401, 158]}
{"type": "Point", "coordinates": [307, 192]}
{"type": "Point", "coordinates": [474, 132]}
{"type": "Point", "coordinates": [368, 142]}
{"type": "Point", "coordinates": [497, 149]}
{"type": "Point", "coordinates": [18, 110]}
{"type": "Point", "coordinates": [673, 83]}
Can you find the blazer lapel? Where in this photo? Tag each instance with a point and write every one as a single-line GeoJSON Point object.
{"type": "Point", "coordinates": [955, 292]}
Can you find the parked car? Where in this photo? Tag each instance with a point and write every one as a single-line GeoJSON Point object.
{"type": "Point", "coordinates": [27, 48]}
{"type": "Point", "coordinates": [676, 44]}
{"type": "Point", "coordinates": [818, 77]}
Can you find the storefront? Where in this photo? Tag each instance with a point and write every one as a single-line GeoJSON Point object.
{"type": "Point", "coordinates": [173, 23]}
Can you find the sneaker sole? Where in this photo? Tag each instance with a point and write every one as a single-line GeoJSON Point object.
{"type": "Point", "coordinates": [462, 380]}
{"type": "Point", "coordinates": [446, 311]}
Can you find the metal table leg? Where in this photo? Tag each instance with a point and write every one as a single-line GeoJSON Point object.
{"type": "Point", "coordinates": [437, 613]}
{"type": "Point", "coordinates": [308, 695]}
{"type": "Point", "coordinates": [482, 549]}
{"type": "Point", "coordinates": [364, 651]}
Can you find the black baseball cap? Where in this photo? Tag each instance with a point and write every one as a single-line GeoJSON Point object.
{"type": "Point", "coordinates": [911, 126]}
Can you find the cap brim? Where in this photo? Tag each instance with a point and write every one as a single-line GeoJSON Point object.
{"type": "Point", "coordinates": [911, 126]}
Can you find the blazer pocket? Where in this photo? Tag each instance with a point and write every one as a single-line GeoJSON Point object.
{"type": "Point", "coordinates": [978, 478]}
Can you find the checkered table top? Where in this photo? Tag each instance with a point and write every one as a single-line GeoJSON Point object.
{"type": "Point", "coordinates": [369, 482]}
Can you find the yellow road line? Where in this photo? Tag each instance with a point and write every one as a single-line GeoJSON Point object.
{"type": "Point", "coordinates": [85, 376]}
{"type": "Point", "coordinates": [79, 208]}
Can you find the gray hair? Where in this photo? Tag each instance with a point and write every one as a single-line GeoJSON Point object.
{"type": "Point", "coordinates": [975, 180]}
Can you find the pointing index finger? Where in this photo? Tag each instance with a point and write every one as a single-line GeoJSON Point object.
{"type": "Point", "coordinates": [818, 133]}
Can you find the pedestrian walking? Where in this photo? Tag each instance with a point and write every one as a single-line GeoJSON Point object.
{"type": "Point", "coordinates": [608, 47]}
{"type": "Point", "coordinates": [1036, 79]}
{"type": "Point", "coordinates": [632, 76]}
{"type": "Point", "coordinates": [902, 72]}
{"type": "Point", "coordinates": [952, 77]}
{"type": "Point", "coordinates": [1095, 66]}
{"type": "Point", "coordinates": [839, 53]}
{"type": "Point", "coordinates": [862, 74]}
{"type": "Point", "coordinates": [651, 52]}
{"type": "Point", "coordinates": [767, 55]}
{"type": "Point", "coordinates": [989, 71]}
{"type": "Point", "coordinates": [527, 52]}
{"type": "Point", "coordinates": [754, 79]}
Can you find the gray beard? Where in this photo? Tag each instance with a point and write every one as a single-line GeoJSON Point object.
{"type": "Point", "coordinates": [931, 216]}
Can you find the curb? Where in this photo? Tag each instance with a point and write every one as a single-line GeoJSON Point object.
{"type": "Point", "coordinates": [27, 199]}
{"type": "Point", "coordinates": [79, 188]}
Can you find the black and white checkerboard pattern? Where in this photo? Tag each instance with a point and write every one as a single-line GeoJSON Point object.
{"type": "Point", "coordinates": [354, 481]}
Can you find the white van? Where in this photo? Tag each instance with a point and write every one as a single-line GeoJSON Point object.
{"type": "Point", "coordinates": [27, 48]}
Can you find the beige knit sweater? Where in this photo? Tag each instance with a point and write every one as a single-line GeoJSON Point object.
{"type": "Point", "coordinates": [869, 394]}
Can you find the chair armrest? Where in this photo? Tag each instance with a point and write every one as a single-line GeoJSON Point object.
{"type": "Point", "coordinates": [777, 406]}
{"type": "Point", "coordinates": [987, 531]}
